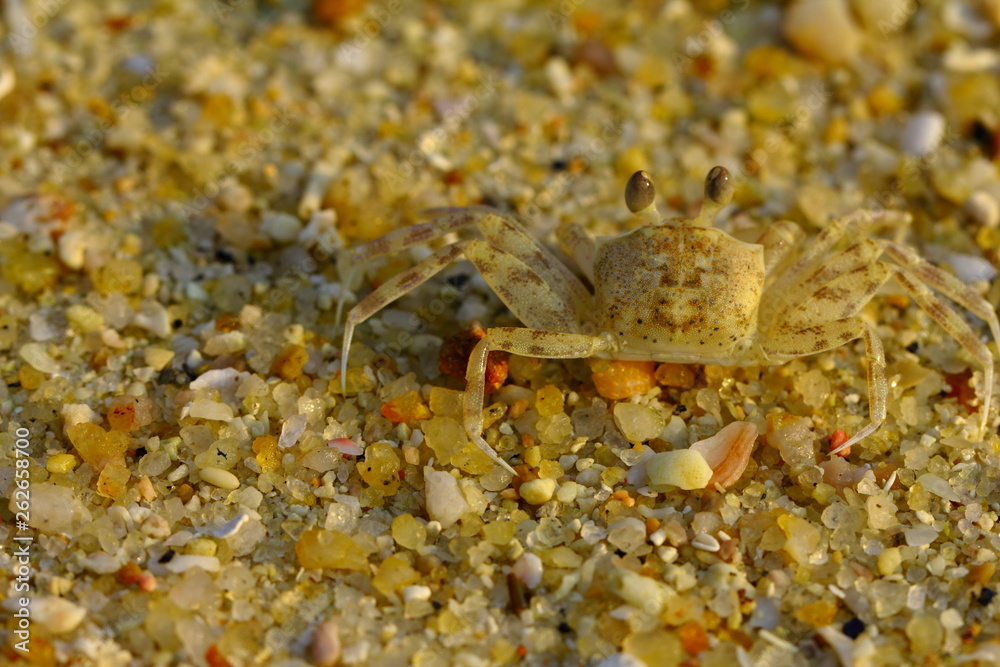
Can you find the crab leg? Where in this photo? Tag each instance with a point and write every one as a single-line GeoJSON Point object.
{"type": "Point", "coordinates": [391, 290]}
{"type": "Point", "coordinates": [399, 240]}
{"type": "Point", "coordinates": [878, 387]}
{"type": "Point", "coordinates": [833, 334]}
{"type": "Point", "coordinates": [946, 283]}
{"type": "Point", "coordinates": [955, 325]}
{"type": "Point", "coordinates": [820, 246]}
{"type": "Point", "coordinates": [524, 342]}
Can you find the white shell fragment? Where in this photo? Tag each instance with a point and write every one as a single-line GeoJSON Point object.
{"type": "Point", "coordinates": [706, 542]}
{"type": "Point", "coordinates": [922, 133]}
{"type": "Point", "coordinates": [231, 527]}
{"type": "Point", "coordinates": [728, 452]}
{"type": "Point", "coordinates": [684, 468]}
{"type": "Point", "coordinates": [185, 562]}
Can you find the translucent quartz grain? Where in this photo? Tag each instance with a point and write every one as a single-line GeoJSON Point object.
{"type": "Point", "coordinates": [549, 401]}
{"type": "Point", "coordinates": [153, 464]}
{"type": "Point", "coordinates": [638, 423]}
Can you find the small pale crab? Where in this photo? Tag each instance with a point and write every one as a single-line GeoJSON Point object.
{"type": "Point", "coordinates": [682, 291]}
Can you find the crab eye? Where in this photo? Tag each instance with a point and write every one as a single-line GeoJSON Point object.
{"type": "Point", "coordinates": [719, 186]}
{"type": "Point", "coordinates": [639, 192]}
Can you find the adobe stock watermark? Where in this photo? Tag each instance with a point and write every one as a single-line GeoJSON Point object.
{"type": "Point", "coordinates": [92, 138]}
{"type": "Point", "coordinates": [25, 28]}
{"type": "Point", "coordinates": [696, 45]}
{"type": "Point", "coordinates": [432, 141]}
{"type": "Point", "coordinates": [817, 98]}
{"type": "Point", "coordinates": [377, 19]}
{"type": "Point", "coordinates": [902, 12]}
{"type": "Point", "coordinates": [611, 131]}
{"type": "Point", "coordinates": [20, 502]}
{"type": "Point", "coordinates": [558, 17]}
{"type": "Point", "coordinates": [246, 154]}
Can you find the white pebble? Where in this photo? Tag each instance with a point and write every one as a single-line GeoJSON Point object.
{"type": "Point", "coordinates": [213, 410]}
{"type": "Point", "coordinates": [281, 227]}
{"type": "Point", "coordinates": [219, 477]}
{"type": "Point", "coordinates": [73, 248]}
{"type": "Point", "coordinates": [153, 317]}
{"type": "Point", "coordinates": [822, 29]}
{"type": "Point", "coordinates": [57, 615]}
{"type": "Point", "coordinates": [416, 592]}
{"type": "Point", "coordinates": [922, 133]}
{"type": "Point", "coordinates": [220, 379]}
{"type": "Point", "coordinates": [39, 327]}
{"type": "Point", "coordinates": [178, 473]}
{"type": "Point", "coordinates": [79, 413]}
{"type": "Point", "coordinates": [983, 207]}
{"type": "Point", "coordinates": [445, 501]}
{"type": "Point", "coordinates": [236, 198]}
{"type": "Point", "coordinates": [528, 568]}
{"type": "Point", "coordinates": [185, 562]}
{"type": "Point", "coordinates": [684, 468]}
{"type": "Point", "coordinates": [705, 542]}
{"type": "Point", "coordinates": [645, 593]}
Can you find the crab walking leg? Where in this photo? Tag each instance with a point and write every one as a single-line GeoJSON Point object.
{"type": "Point", "coordinates": [391, 290]}
{"type": "Point", "coordinates": [399, 240]}
{"type": "Point", "coordinates": [948, 285]}
{"type": "Point", "coordinates": [506, 238]}
{"type": "Point", "coordinates": [396, 241]}
{"type": "Point", "coordinates": [829, 335]}
{"type": "Point", "coordinates": [957, 327]}
{"type": "Point", "coordinates": [820, 247]}
{"type": "Point", "coordinates": [579, 245]}
{"type": "Point", "coordinates": [524, 342]}
{"type": "Point", "coordinates": [878, 387]}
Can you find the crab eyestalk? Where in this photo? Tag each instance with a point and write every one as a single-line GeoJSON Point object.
{"type": "Point", "coordinates": [719, 189]}
{"type": "Point", "coordinates": [639, 197]}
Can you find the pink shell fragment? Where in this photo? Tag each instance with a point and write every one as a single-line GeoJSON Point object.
{"type": "Point", "coordinates": [346, 446]}
{"type": "Point", "coordinates": [728, 452]}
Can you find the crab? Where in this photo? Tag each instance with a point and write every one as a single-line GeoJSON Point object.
{"type": "Point", "coordinates": [679, 290]}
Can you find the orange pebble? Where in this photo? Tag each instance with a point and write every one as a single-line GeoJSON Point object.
{"type": "Point", "coordinates": [215, 658]}
{"type": "Point", "coordinates": [406, 408]}
{"type": "Point", "coordinates": [675, 375]}
{"type": "Point", "coordinates": [693, 638]}
{"type": "Point", "coordinates": [837, 438]}
{"type": "Point", "coordinates": [129, 573]}
{"type": "Point", "coordinates": [624, 379]}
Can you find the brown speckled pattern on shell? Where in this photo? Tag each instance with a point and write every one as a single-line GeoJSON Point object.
{"type": "Point", "coordinates": [697, 289]}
